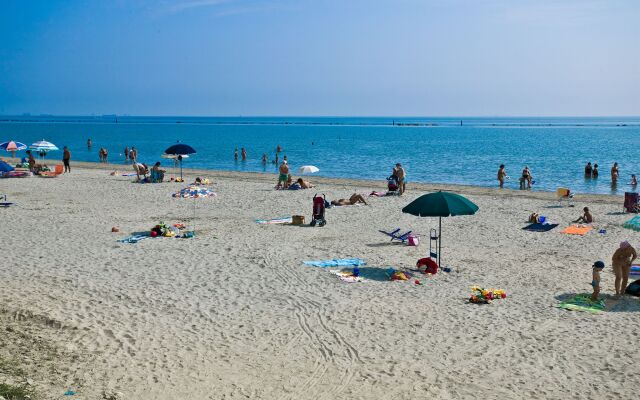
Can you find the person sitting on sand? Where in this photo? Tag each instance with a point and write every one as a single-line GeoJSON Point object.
{"type": "Point", "coordinates": [32, 161]}
{"type": "Point", "coordinates": [598, 266]}
{"type": "Point", "coordinates": [621, 262]}
{"type": "Point", "coordinates": [141, 170]}
{"type": "Point", "coordinates": [283, 176]}
{"type": "Point", "coordinates": [587, 218]}
{"type": "Point", "coordinates": [158, 172]}
{"type": "Point", "coordinates": [353, 200]}
{"type": "Point", "coordinates": [304, 184]}
{"type": "Point", "coordinates": [534, 218]}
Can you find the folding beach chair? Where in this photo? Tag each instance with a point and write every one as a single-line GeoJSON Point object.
{"type": "Point", "coordinates": [395, 235]}
{"type": "Point", "coordinates": [631, 202]}
{"type": "Point", "coordinates": [564, 194]}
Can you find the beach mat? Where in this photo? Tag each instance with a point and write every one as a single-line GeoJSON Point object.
{"type": "Point", "coordinates": [133, 238]}
{"type": "Point", "coordinates": [633, 223]}
{"type": "Point", "coordinates": [339, 262]}
{"type": "Point", "coordinates": [537, 227]}
{"type": "Point", "coordinates": [275, 221]}
{"type": "Point", "coordinates": [635, 270]}
{"type": "Point", "coordinates": [582, 302]}
{"type": "Point", "coordinates": [577, 230]}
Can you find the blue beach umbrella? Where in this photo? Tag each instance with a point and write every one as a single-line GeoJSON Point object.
{"type": "Point", "coordinates": [12, 146]}
{"type": "Point", "coordinates": [179, 150]}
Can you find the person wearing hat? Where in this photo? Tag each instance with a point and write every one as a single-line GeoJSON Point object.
{"type": "Point", "coordinates": [598, 266]}
{"type": "Point", "coordinates": [621, 262]}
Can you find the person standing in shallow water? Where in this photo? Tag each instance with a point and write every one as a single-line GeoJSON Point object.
{"type": "Point", "coordinates": [89, 143]}
{"type": "Point", "coordinates": [588, 169]}
{"type": "Point", "coordinates": [244, 154]}
{"type": "Point", "coordinates": [594, 173]}
{"type": "Point", "coordinates": [235, 154]}
{"type": "Point", "coordinates": [615, 171]}
{"type": "Point", "coordinates": [502, 174]}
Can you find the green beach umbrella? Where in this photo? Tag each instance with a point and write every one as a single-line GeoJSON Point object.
{"type": "Point", "coordinates": [440, 204]}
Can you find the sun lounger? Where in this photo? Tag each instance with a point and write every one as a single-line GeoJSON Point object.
{"type": "Point", "coordinates": [631, 202]}
{"type": "Point", "coordinates": [564, 194]}
{"type": "Point", "coordinates": [395, 235]}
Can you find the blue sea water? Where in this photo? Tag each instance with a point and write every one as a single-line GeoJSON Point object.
{"type": "Point", "coordinates": [433, 150]}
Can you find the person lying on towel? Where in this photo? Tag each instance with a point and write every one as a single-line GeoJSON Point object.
{"type": "Point", "coordinates": [353, 200]}
{"type": "Point", "coordinates": [587, 218]}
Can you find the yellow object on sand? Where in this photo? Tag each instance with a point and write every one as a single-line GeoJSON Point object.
{"type": "Point", "coordinates": [577, 230]}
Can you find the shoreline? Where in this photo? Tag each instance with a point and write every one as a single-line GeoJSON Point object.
{"type": "Point", "coordinates": [354, 182]}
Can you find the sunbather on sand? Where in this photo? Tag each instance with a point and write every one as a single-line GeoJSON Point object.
{"type": "Point", "coordinates": [353, 200]}
{"type": "Point", "coordinates": [141, 169]}
{"type": "Point", "coordinates": [621, 262]}
{"type": "Point", "coordinates": [587, 218]}
{"type": "Point", "coordinates": [304, 184]}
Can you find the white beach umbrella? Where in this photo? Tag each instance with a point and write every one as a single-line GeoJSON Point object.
{"type": "Point", "coordinates": [43, 147]}
{"type": "Point", "coordinates": [308, 169]}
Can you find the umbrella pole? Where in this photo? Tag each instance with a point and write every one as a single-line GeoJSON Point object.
{"type": "Point", "coordinates": [181, 170]}
{"type": "Point", "coordinates": [439, 242]}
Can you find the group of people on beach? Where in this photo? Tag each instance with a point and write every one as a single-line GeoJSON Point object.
{"type": "Point", "coordinates": [242, 155]}
{"type": "Point", "coordinates": [526, 179]}
{"type": "Point", "coordinates": [285, 179]}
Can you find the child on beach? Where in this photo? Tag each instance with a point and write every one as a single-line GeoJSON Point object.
{"type": "Point", "coordinates": [598, 266]}
{"type": "Point", "coordinates": [587, 218]}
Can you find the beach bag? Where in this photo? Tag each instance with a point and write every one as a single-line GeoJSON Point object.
{"type": "Point", "coordinates": [297, 220]}
{"type": "Point", "coordinates": [634, 288]}
{"type": "Point", "coordinates": [413, 240]}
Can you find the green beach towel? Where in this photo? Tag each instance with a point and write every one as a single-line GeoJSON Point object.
{"type": "Point", "coordinates": [582, 302]}
{"type": "Point", "coordinates": [633, 223]}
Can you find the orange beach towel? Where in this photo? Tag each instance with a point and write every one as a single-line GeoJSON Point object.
{"type": "Point", "coordinates": [577, 230]}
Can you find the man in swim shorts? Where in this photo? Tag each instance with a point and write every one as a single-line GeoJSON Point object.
{"type": "Point", "coordinates": [66, 156]}
{"type": "Point", "coordinates": [501, 175]}
{"type": "Point", "coordinates": [621, 262]}
{"type": "Point", "coordinates": [283, 176]}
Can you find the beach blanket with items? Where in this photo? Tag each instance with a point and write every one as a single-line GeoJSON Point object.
{"type": "Point", "coordinates": [177, 230]}
{"type": "Point", "coordinates": [485, 296]}
{"type": "Point", "coordinates": [194, 192]}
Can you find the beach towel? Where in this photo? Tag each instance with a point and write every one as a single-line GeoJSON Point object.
{"type": "Point", "coordinates": [582, 302]}
{"type": "Point", "coordinates": [538, 227]}
{"type": "Point", "coordinates": [133, 239]}
{"type": "Point", "coordinates": [633, 223]}
{"type": "Point", "coordinates": [275, 221]}
{"type": "Point", "coordinates": [577, 230]}
{"type": "Point", "coordinates": [635, 270]}
{"type": "Point", "coordinates": [346, 275]}
{"type": "Point", "coordinates": [130, 174]}
{"type": "Point", "coordinates": [341, 262]}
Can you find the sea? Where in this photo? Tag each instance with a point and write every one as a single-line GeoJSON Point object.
{"type": "Point", "coordinates": [456, 150]}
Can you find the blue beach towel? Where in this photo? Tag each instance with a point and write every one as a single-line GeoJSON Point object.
{"type": "Point", "coordinates": [275, 221]}
{"type": "Point", "coordinates": [133, 239]}
{"type": "Point", "coordinates": [633, 223]}
{"type": "Point", "coordinates": [539, 227]}
{"type": "Point", "coordinates": [341, 262]}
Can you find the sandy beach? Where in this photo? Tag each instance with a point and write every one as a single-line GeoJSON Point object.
{"type": "Point", "coordinates": [234, 314]}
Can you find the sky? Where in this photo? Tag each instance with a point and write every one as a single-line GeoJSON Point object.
{"type": "Point", "coordinates": [320, 57]}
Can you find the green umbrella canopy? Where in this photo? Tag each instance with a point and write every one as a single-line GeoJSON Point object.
{"type": "Point", "coordinates": [440, 204]}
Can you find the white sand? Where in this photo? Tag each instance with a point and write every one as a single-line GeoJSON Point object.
{"type": "Point", "coordinates": [233, 313]}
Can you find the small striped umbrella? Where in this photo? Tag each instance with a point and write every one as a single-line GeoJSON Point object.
{"type": "Point", "coordinates": [43, 147]}
{"type": "Point", "coordinates": [12, 146]}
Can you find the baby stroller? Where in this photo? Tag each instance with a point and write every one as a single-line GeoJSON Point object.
{"type": "Point", "coordinates": [392, 185]}
{"type": "Point", "coordinates": [318, 211]}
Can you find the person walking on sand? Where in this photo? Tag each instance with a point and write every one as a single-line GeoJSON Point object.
{"type": "Point", "coordinates": [243, 152]}
{"type": "Point", "coordinates": [615, 171]}
{"type": "Point", "coordinates": [66, 156]}
{"type": "Point", "coordinates": [502, 174]}
{"type": "Point", "coordinates": [126, 154]}
{"type": "Point", "coordinates": [400, 174]}
{"type": "Point", "coordinates": [283, 175]}
{"type": "Point", "coordinates": [621, 262]}
{"type": "Point", "coordinates": [588, 169]}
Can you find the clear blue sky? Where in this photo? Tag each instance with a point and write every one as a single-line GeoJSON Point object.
{"type": "Point", "coordinates": [320, 57]}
